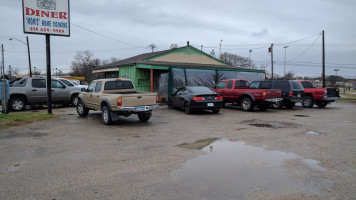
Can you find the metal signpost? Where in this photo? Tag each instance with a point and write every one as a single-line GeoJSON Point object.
{"type": "Point", "coordinates": [46, 17]}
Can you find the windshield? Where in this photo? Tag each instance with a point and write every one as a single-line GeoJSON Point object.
{"type": "Point", "coordinates": [65, 81]}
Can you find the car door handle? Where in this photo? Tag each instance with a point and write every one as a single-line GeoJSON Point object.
{"type": "Point", "coordinates": [223, 90]}
{"type": "Point", "coordinates": [34, 90]}
{"type": "Point", "coordinates": [97, 95]}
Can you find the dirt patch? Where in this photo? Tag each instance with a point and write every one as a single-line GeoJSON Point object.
{"type": "Point", "coordinates": [198, 145]}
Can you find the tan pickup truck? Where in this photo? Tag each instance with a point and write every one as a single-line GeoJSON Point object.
{"type": "Point", "coordinates": [115, 97]}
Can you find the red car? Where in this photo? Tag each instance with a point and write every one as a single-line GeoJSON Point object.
{"type": "Point", "coordinates": [319, 96]}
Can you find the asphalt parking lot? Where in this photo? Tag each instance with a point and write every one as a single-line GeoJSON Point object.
{"type": "Point", "coordinates": [274, 154]}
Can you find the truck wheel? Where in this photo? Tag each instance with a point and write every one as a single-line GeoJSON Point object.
{"type": "Point", "coordinates": [187, 108]}
{"type": "Point", "coordinates": [74, 101]}
{"type": "Point", "coordinates": [321, 104]}
{"type": "Point", "coordinates": [277, 105]}
{"type": "Point", "coordinates": [263, 106]}
{"type": "Point", "coordinates": [105, 116]}
{"type": "Point", "coordinates": [82, 110]}
{"type": "Point", "coordinates": [246, 104]}
{"type": "Point", "coordinates": [144, 117]}
{"type": "Point", "coordinates": [290, 105]}
{"type": "Point", "coordinates": [216, 110]}
{"type": "Point", "coordinates": [308, 102]}
{"type": "Point", "coordinates": [17, 104]}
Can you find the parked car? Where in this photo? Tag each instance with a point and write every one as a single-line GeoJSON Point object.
{"type": "Point", "coordinates": [239, 92]}
{"type": "Point", "coordinates": [292, 91]}
{"type": "Point", "coordinates": [33, 90]}
{"type": "Point", "coordinates": [115, 97]}
{"type": "Point", "coordinates": [319, 96]}
{"type": "Point", "coordinates": [191, 98]}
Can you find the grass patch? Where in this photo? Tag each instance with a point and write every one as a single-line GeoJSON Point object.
{"type": "Point", "coordinates": [348, 97]}
{"type": "Point", "coordinates": [199, 144]}
{"type": "Point", "coordinates": [18, 119]}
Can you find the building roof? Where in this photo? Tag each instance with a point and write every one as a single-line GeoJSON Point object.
{"type": "Point", "coordinates": [149, 59]}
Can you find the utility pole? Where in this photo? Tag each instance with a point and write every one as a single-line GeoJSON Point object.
{"type": "Point", "coordinates": [249, 58]}
{"type": "Point", "coordinates": [152, 46]}
{"type": "Point", "coordinates": [4, 88]}
{"type": "Point", "coordinates": [201, 48]}
{"type": "Point", "coordinates": [285, 56]}
{"type": "Point", "coordinates": [220, 48]}
{"type": "Point", "coordinates": [9, 71]}
{"type": "Point", "coordinates": [336, 70]}
{"type": "Point", "coordinates": [271, 50]}
{"type": "Point", "coordinates": [56, 71]}
{"type": "Point", "coordinates": [323, 72]}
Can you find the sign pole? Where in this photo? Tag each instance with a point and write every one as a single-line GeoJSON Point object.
{"type": "Point", "coordinates": [49, 86]}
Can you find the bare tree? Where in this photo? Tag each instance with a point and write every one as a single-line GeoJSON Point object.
{"type": "Point", "coordinates": [237, 61]}
{"type": "Point", "coordinates": [83, 64]}
{"type": "Point", "coordinates": [14, 71]}
{"type": "Point", "coordinates": [109, 61]}
{"type": "Point", "coordinates": [289, 75]}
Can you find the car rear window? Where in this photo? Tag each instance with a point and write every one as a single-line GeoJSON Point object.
{"type": "Point", "coordinates": [221, 85]}
{"type": "Point", "coordinates": [297, 85]}
{"type": "Point", "coordinates": [200, 90]}
{"type": "Point", "coordinates": [115, 85]}
{"type": "Point", "coordinates": [307, 84]}
{"type": "Point", "coordinates": [283, 85]}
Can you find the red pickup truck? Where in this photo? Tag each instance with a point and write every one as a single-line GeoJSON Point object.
{"type": "Point", "coordinates": [238, 91]}
{"type": "Point", "coordinates": [319, 96]}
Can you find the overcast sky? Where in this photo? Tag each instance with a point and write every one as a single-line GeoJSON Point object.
{"type": "Point", "coordinates": [241, 24]}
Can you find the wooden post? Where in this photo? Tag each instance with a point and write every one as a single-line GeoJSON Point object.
{"type": "Point", "coordinates": [151, 80]}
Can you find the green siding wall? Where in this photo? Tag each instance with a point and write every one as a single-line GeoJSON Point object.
{"type": "Point", "coordinates": [143, 80]}
{"type": "Point", "coordinates": [128, 72]}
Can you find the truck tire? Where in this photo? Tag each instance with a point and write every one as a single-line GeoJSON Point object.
{"type": "Point", "coordinates": [277, 105]}
{"type": "Point", "coordinates": [321, 104]}
{"type": "Point", "coordinates": [144, 117]}
{"type": "Point", "coordinates": [170, 104]}
{"type": "Point", "coordinates": [17, 104]}
{"type": "Point", "coordinates": [308, 102]}
{"type": "Point", "coordinates": [82, 110]}
{"type": "Point", "coordinates": [263, 106]}
{"type": "Point", "coordinates": [105, 115]}
{"type": "Point", "coordinates": [246, 104]}
{"type": "Point", "coordinates": [290, 105]}
{"type": "Point", "coordinates": [187, 108]}
{"type": "Point", "coordinates": [216, 110]}
{"type": "Point", "coordinates": [74, 100]}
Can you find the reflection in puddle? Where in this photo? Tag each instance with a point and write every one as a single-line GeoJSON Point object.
{"type": "Point", "coordinates": [314, 164]}
{"type": "Point", "coordinates": [231, 170]}
{"type": "Point", "coordinates": [264, 125]}
{"type": "Point", "coordinates": [302, 115]}
{"type": "Point", "coordinates": [313, 133]}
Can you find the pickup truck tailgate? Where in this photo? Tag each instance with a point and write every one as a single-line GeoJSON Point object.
{"type": "Point", "coordinates": [138, 99]}
{"type": "Point", "coordinates": [273, 93]}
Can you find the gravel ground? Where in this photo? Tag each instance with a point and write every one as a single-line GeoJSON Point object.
{"type": "Point", "coordinates": [80, 158]}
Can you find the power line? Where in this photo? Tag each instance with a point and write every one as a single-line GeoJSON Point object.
{"type": "Point", "coordinates": [108, 36]}
{"type": "Point", "coordinates": [306, 49]}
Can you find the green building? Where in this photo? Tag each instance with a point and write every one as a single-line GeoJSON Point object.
{"type": "Point", "coordinates": [163, 71]}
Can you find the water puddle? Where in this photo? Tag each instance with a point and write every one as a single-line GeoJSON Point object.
{"type": "Point", "coordinates": [231, 170]}
{"type": "Point", "coordinates": [264, 125]}
{"type": "Point", "coordinates": [270, 124]}
{"type": "Point", "coordinates": [198, 145]}
{"type": "Point", "coordinates": [314, 164]}
{"type": "Point", "coordinates": [313, 133]}
{"type": "Point", "coordinates": [302, 115]}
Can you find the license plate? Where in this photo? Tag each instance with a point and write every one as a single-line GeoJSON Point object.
{"type": "Point", "coordinates": [143, 108]}
{"type": "Point", "coordinates": [210, 104]}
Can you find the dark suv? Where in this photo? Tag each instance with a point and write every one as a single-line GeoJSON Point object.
{"type": "Point", "coordinates": [292, 91]}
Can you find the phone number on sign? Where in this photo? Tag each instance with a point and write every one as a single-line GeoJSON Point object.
{"type": "Point", "coordinates": [46, 30]}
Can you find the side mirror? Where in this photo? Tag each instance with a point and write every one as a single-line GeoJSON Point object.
{"type": "Point", "coordinates": [83, 90]}
{"type": "Point", "coordinates": [63, 86]}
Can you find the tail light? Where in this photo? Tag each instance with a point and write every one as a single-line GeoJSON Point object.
{"type": "Point", "coordinates": [218, 98]}
{"type": "Point", "coordinates": [119, 101]}
{"type": "Point", "coordinates": [156, 99]}
{"type": "Point", "coordinates": [291, 94]}
{"type": "Point", "coordinates": [264, 95]}
{"type": "Point", "coordinates": [198, 99]}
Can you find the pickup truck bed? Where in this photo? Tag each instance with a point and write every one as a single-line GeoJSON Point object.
{"type": "Point", "coordinates": [115, 97]}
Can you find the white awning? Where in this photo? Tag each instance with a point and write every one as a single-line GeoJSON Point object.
{"type": "Point", "coordinates": [106, 70]}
